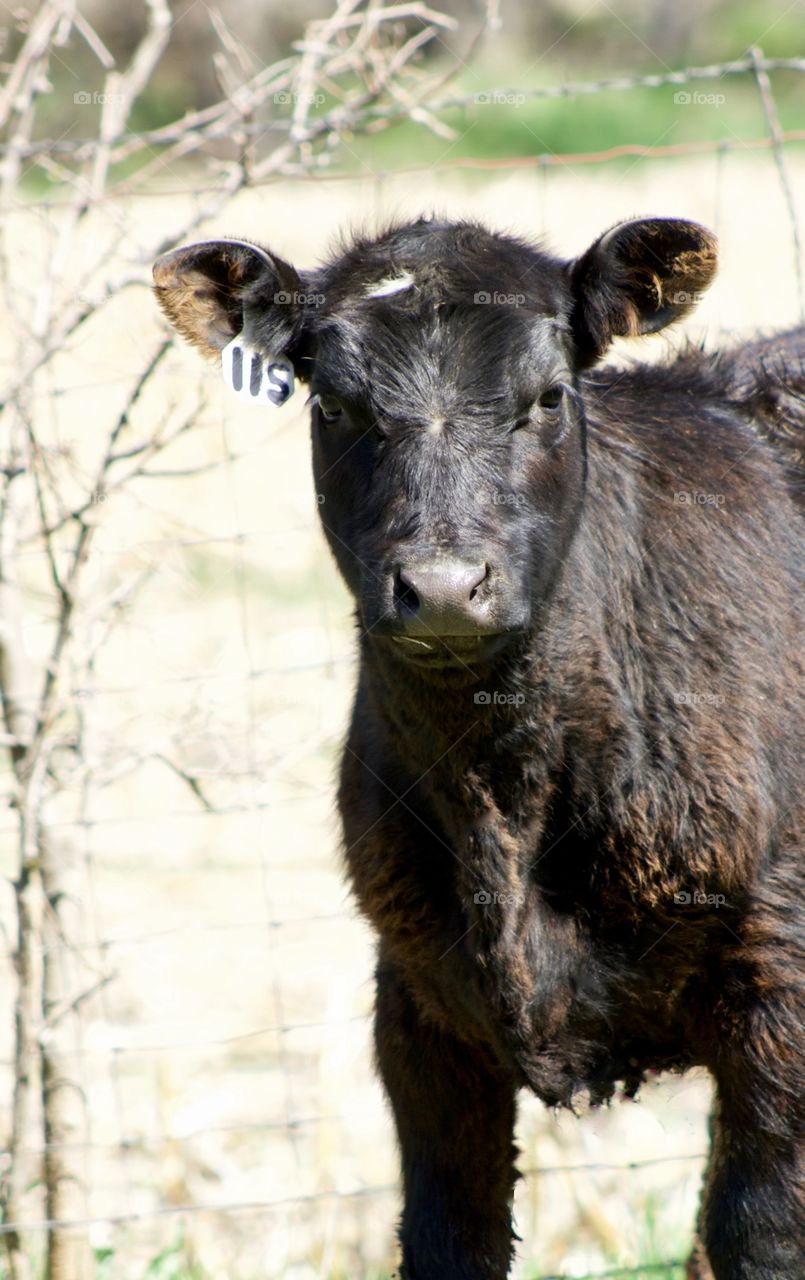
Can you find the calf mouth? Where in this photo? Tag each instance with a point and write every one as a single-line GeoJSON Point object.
{"type": "Point", "coordinates": [441, 652]}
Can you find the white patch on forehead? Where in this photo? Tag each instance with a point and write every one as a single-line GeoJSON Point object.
{"type": "Point", "coordinates": [390, 284]}
{"type": "Point", "coordinates": [435, 426]}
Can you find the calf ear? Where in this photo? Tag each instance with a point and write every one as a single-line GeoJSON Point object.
{"type": "Point", "coordinates": [212, 291]}
{"type": "Point", "coordinates": [637, 278]}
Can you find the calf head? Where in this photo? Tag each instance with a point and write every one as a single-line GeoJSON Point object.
{"type": "Point", "coordinates": [443, 363]}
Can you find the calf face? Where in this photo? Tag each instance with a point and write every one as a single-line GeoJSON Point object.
{"type": "Point", "coordinates": [448, 426]}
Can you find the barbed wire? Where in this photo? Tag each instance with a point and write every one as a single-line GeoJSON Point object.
{"type": "Point", "coordinates": [489, 97]}
{"type": "Point", "coordinates": [152, 1141]}
{"type": "Point", "coordinates": [539, 160]}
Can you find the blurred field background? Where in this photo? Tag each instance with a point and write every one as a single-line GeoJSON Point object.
{"type": "Point", "coordinates": [232, 1126]}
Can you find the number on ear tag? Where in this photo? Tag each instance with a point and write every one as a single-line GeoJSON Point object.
{"type": "Point", "coordinates": [252, 377]}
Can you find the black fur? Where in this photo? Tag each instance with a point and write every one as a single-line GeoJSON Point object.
{"type": "Point", "coordinates": [580, 844]}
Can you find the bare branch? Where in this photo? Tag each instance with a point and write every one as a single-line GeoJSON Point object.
{"type": "Point", "coordinates": [192, 782]}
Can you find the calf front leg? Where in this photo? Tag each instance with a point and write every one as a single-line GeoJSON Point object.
{"type": "Point", "coordinates": [753, 1213]}
{"type": "Point", "coordinates": [751, 1223]}
{"type": "Point", "coordinates": [454, 1110]}
{"type": "Point", "coordinates": [754, 1210]}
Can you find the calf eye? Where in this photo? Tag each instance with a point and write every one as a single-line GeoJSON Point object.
{"type": "Point", "coordinates": [552, 396]}
{"type": "Point", "coordinates": [330, 408]}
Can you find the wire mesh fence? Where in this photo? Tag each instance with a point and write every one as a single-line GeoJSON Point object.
{"type": "Point", "coordinates": [186, 1056]}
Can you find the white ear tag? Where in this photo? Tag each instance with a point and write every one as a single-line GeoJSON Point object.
{"type": "Point", "coordinates": [252, 377]}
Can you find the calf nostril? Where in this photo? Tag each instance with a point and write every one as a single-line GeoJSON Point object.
{"type": "Point", "coordinates": [405, 593]}
{"type": "Point", "coordinates": [484, 574]}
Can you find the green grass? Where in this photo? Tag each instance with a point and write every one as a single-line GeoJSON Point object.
{"type": "Point", "coordinates": [172, 1263]}
{"type": "Point", "coordinates": [519, 126]}
{"type": "Point", "coordinates": [641, 1271]}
